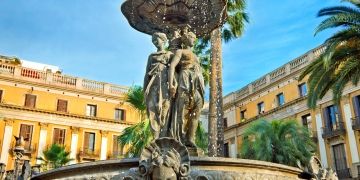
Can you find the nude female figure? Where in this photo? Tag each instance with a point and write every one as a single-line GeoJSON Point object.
{"type": "Point", "coordinates": [189, 93]}
{"type": "Point", "coordinates": [156, 87]}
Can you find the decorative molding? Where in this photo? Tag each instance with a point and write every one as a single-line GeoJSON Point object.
{"type": "Point", "coordinates": [104, 133]}
{"type": "Point", "coordinates": [43, 125]}
{"type": "Point", "coordinates": [8, 122]}
{"type": "Point", "coordinates": [74, 129]}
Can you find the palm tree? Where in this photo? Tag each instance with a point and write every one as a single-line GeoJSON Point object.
{"type": "Point", "coordinates": [280, 141]}
{"type": "Point", "coordinates": [54, 157]}
{"type": "Point", "coordinates": [233, 28]}
{"type": "Point", "coordinates": [137, 136]}
{"type": "Point", "coordinates": [339, 64]}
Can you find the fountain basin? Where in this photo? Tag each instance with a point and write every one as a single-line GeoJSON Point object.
{"type": "Point", "coordinates": [202, 168]}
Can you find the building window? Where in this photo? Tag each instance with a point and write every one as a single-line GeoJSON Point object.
{"type": "Point", "coordinates": [280, 99]}
{"type": "Point", "coordinates": [91, 110]}
{"type": "Point", "coordinates": [302, 89]}
{"type": "Point", "coordinates": [261, 108]}
{"type": "Point", "coordinates": [306, 121]}
{"type": "Point", "coordinates": [332, 117]}
{"type": "Point", "coordinates": [225, 123]}
{"type": "Point", "coordinates": [117, 150]}
{"type": "Point", "coordinates": [62, 105]}
{"type": "Point", "coordinates": [226, 150]}
{"type": "Point", "coordinates": [1, 95]}
{"type": "Point", "coordinates": [242, 115]}
{"type": "Point", "coordinates": [340, 161]}
{"type": "Point", "coordinates": [356, 103]}
{"type": "Point", "coordinates": [120, 114]}
{"type": "Point", "coordinates": [59, 136]}
{"type": "Point", "coordinates": [89, 142]}
{"type": "Point", "coordinates": [30, 100]}
{"type": "Point", "coordinates": [26, 133]}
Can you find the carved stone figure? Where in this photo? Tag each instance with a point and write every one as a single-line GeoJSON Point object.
{"type": "Point", "coordinates": [165, 159]}
{"type": "Point", "coordinates": [189, 93]}
{"type": "Point", "coordinates": [156, 87]}
{"type": "Point", "coordinates": [318, 172]}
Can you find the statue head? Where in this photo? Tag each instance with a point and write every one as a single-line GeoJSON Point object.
{"type": "Point", "coordinates": [159, 39]}
{"type": "Point", "coordinates": [188, 39]}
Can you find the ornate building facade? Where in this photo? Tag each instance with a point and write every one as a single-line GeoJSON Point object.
{"type": "Point", "coordinates": [47, 107]}
{"type": "Point", "coordinates": [279, 95]}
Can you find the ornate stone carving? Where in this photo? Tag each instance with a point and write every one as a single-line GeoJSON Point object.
{"type": "Point", "coordinates": [318, 172]}
{"type": "Point", "coordinates": [165, 158]}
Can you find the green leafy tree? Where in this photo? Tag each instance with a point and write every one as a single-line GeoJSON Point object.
{"type": "Point", "coordinates": [137, 136]}
{"type": "Point", "coordinates": [339, 64]}
{"type": "Point", "coordinates": [54, 157]}
{"type": "Point", "coordinates": [279, 141]}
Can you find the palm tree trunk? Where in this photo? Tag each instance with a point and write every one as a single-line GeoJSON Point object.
{"type": "Point", "coordinates": [219, 101]}
{"type": "Point", "coordinates": [214, 95]}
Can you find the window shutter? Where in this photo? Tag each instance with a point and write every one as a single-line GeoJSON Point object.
{"type": "Point", "coordinates": [30, 100]}
{"type": "Point", "coordinates": [356, 106]}
{"type": "Point", "coordinates": [1, 94]}
{"type": "Point", "coordinates": [326, 117]}
{"type": "Point", "coordinates": [56, 136]}
{"type": "Point", "coordinates": [86, 141]}
{"type": "Point", "coordinates": [62, 105]}
{"type": "Point", "coordinates": [123, 114]}
{"type": "Point", "coordinates": [87, 110]}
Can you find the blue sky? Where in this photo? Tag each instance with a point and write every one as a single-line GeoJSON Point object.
{"type": "Point", "coordinates": [92, 39]}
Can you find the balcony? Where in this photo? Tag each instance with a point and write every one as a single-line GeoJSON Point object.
{"type": "Point", "coordinates": [88, 155]}
{"type": "Point", "coordinates": [344, 173]}
{"type": "Point", "coordinates": [356, 123]}
{"type": "Point", "coordinates": [337, 129]}
{"type": "Point", "coordinates": [314, 136]}
{"type": "Point", "coordinates": [115, 155]}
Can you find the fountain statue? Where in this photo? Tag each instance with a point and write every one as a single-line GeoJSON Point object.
{"type": "Point", "coordinates": [174, 96]}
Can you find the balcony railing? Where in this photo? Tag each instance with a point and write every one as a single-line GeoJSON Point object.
{"type": "Point", "coordinates": [86, 153]}
{"type": "Point", "coordinates": [314, 136]}
{"type": "Point", "coordinates": [115, 155]}
{"type": "Point", "coordinates": [343, 173]}
{"type": "Point", "coordinates": [58, 79]}
{"type": "Point", "coordinates": [356, 123]}
{"type": "Point", "coordinates": [337, 129]}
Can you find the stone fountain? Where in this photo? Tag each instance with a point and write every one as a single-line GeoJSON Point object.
{"type": "Point", "coordinates": [174, 95]}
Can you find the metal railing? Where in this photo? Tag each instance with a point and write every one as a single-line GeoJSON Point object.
{"type": "Point", "coordinates": [344, 173]}
{"type": "Point", "coordinates": [336, 129]}
{"type": "Point", "coordinates": [89, 153]}
{"type": "Point", "coordinates": [356, 123]}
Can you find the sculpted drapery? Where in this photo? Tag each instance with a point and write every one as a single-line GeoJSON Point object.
{"type": "Point", "coordinates": [174, 108]}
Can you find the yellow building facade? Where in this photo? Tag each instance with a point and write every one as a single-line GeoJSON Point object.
{"type": "Point", "coordinates": [280, 95]}
{"type": "Point", "coordinates": [47, 107]}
